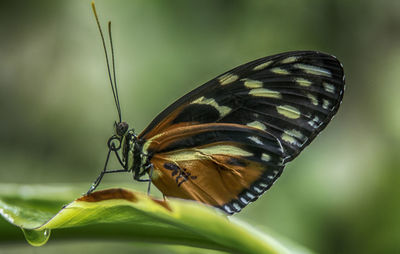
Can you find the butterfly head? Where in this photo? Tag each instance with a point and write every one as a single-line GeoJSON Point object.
{"type": "Point", "coordinates": [120, 128]}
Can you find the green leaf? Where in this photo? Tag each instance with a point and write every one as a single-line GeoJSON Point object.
{"type": "Point", "coordinates": [123, 214]}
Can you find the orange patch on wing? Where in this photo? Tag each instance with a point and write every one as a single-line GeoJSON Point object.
{"type": "Point", "coordinates": [213, 181]}
{"type": "Point", "coordinates": [166, 123]}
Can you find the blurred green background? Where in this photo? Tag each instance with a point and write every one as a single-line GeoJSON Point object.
{"type": "Point", "coordinates": [340, 196]}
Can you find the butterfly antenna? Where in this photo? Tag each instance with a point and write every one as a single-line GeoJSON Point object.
{"type": "Point", "coordinates": [113, 84]}
{"type": "Point", "coordinates": [113, 69]}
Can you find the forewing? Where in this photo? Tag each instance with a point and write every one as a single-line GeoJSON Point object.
{"type": "Point", "coordinates": [292, 96]}
{"type": "Point", "coordinates": [224, 165]}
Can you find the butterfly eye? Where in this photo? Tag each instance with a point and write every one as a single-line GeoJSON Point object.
{"type": "Point", "coordinates": [121, 128]}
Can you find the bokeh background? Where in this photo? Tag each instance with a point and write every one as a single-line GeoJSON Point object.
{"type": "Point", "coordinates": [341, 195]}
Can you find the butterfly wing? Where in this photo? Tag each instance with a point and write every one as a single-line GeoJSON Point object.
{"type": "Point", "coordinates": [289, 97]}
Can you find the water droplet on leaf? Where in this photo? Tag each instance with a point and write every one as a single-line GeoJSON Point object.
{"type": "Point", "coordinates": [36, 237]}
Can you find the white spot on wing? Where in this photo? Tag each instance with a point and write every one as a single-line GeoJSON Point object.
{"type": "Point", "coordinates": [206, 152]}
{"type": "Point", "coordinates": [295, 133]}
{"type": "Point", "coordinates": [236, 207]}
{"type": "Point", "coordinates": [288, 111]}
{"type": "Point", "coordinates": [256, 140]}
{"type": "Point", "coordinates": [249, 83]}
{"type": "Point", "coordinates": [251, 196]}
{"type": "Point", "coordinates": [227, 78]}
{"type": "Point", "coordinates": [280, 71]}
{"type": "Point", "coordinates": [223, 110]}
{"type": "Point", "coordinates": [315, 122]}
{"type": "Point", "coordinates": [290, 59]}
{"type": "Point", "coordinates": [265, 157]}
{"type": "Point", "coordinates": [328, 87]}
{"type": "Point", "coordinates": [325, 104]}
{"type": "Point", "coordinates": [227, 208]}
{"type": "Point", "coordinates": [263, 92]}
{"type": "Point", "coordinates": [258, 125]}
{"type": "Point", "coordinates": [303, 82]}
{"type": "Point", "coordinates": [244, 201]}
{"type": "Point", "coordinates": [312, 69]}
{"type": "Point", "coordinates": [313, 99]}
{"type": "Point", "coordinates": [289, 139]}
{"type": "Point", "coordinates": [256, 189]}
{"type": "Point", "coordinates": [262, 66]}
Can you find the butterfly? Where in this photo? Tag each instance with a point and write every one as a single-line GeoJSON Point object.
{"type": "Point", "coordinates": [226, 142]}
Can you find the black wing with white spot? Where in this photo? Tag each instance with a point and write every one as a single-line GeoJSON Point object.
{"type": "Point", "coordinates": [291, 95]}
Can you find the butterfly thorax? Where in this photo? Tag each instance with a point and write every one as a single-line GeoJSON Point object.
{"type": "Point", "coordinates": [132, 154]}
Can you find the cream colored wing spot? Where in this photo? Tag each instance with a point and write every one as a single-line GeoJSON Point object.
{"type": "Point", "coordinates": [313, 99]}
{"type": "Point", "coordinates": [263, 92]}
{"type": "Point", "coordinates": [257, 125]}
{"type": "Point", "coordinates": [288, 111]}
{"type": "Point", "coordinates": [279, 71]}
{"type": "Point", "coordinates": [249, 83]}
{"type": "Point", "coordinates": [295, 133]}
{"type": "Point", "coordinates": [328, 87]}
{"type": "Point", "coordinates": [303, 82]}
{"type": "Point", "coordinates": [250, 195]}
{"type": "Point", "coordinates": [315, 70]}
{"type": "Point", "coordinates": [258, 190]}
{"type": "Point", "coordinates": [236, 207]}
{"type": "Point", "coordinates": [223, 110]}
{"type": "Point", "coordinates": [289, 139]}
{"type": "Point", "coordinates": [265, 157]}
{"type": "Point", "coordinates": [227, 208]}
{"type": "Point", "coordinates": [325, 104]}
{"type": "Point", "coordinates": [256, 140]}
{"type": "Point", "coordinates": [227, 79]}
{"type": "Point", "coordinates": [262, 66]}
{"type": "Point", "coordinates": [224, 149]}
{"type": "Point", "coordinates": [315, 122]}
{"type": "Point", "coordinates": [244, 201]}
{"type": "Point", "coordinates": [290, 59]}
{"type": "Point", "coordinates": [206, 152]}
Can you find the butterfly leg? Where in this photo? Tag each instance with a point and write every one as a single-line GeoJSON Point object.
{"type": "Point", "coordinates": [105, 171]}
{"type": "Point", "coordinates": [148, 167]}
{"type": "Point", "coordinates": [98, 180]}
{"type": "Point", "coordinates": [150, 175]}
